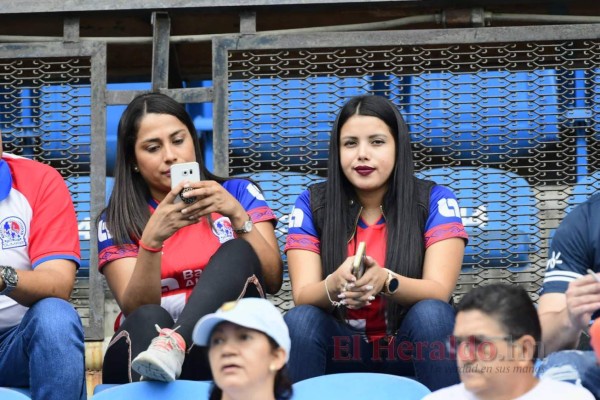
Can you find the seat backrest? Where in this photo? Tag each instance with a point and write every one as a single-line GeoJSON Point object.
{"type": "Point", "coordinates": [14, 394]}
{"type": "Point", "coordinates": [498, 209]}
{"type": "Point", "coordinates": [483, 115]}
{"type": "Point", "coordinates": [359, 386]}
{"type": "Point", "coordinates": [281, 189]}
{"type": "Point", "coordinates": [180, 390]}
{"type": "Point", "coordinates": [583, 189]}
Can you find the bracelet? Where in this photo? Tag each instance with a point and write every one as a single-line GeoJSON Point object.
{"type": "Point", "coordinates": [148, 248]}
{"type": "Point", "coordinates": [333, 303]}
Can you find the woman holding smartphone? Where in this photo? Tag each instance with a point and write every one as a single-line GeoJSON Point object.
{"type": "Point", "coordinates": [396, 317]}
{"type": "Point", "coordinates": [170, 262]}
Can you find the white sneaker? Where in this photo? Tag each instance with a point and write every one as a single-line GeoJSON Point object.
{"type": "Point", "coordinates": [164, 357]}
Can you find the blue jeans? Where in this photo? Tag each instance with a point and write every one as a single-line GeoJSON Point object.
{"type": "Point", "coordinates": [574, 366]}
{"type": "Point", "coordinates": [45, 352]}
{"type": "Point", "coordinates": [321, 345]}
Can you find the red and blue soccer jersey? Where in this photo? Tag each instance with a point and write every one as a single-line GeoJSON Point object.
{"type": "Point", "coordinates": [37, 222]}
{"type": "Point", "coordinates": [187, 252]}
{"type": "Point", "coordinates": [443, 222]}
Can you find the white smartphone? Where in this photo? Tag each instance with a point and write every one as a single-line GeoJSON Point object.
{"type": "Point", "coordinates": [189, 171]}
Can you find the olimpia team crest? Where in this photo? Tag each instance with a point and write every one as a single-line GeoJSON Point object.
{"type": "Point", "coordinates": [12, 232]}
{"type": "Point", "coordinates": [222, 229]}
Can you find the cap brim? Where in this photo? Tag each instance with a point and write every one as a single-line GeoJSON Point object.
{"type": "Point", "coordinates": [204, 328]}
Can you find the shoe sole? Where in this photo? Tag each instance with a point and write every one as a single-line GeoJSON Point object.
{"type": "Point", "coordinates": [151, 369]}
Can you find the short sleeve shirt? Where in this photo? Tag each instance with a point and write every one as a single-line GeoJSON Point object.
{"type": "Point", "coordinates": [187, 252]}
{"type": "Point", "coordinates": [37, 222]}
{"type": "Point", "coordinates": [575, 247]}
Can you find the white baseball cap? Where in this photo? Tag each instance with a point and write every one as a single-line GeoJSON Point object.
{"type": "Point", "coordinates": [252, 312]}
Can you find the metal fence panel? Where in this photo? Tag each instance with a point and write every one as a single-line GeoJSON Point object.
{"type": "Point", "coordinates": [506, 117]}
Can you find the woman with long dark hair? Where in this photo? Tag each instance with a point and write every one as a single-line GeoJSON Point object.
{"type": "Point", "coordinates": [170, 262]}
{"type": "Point", "coordinates": [396, 316]}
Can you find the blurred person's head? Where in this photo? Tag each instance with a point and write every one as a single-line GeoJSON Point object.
{"type": "Point", "coordinates": [248, 348]}
{"type": "Point", "coordinates": [495, 337]}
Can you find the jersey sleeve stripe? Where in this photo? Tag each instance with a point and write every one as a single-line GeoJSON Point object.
{"type": "Point", "coordinates": [70, 257]}
{"type": "Point", "coordinates": [302, 242]}
{"type": "Point", "coordinates": [445, 231]}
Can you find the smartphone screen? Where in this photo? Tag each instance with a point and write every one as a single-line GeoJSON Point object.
{"type": "Point", "coordinates": [189, 171]}
{"type": "Point", "coordinates": [358, 265]}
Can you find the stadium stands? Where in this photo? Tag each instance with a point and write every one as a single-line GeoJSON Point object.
{"type": "Point", "coordinates": [499, 212]}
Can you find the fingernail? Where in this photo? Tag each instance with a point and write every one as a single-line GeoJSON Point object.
{"type": "Point", "coordinates": [350, 285]}
{"type": "Point", "coordinates": [371, 298]}
{"type": "Point", "coordinates": [368, 303]}
{"type": "Point", "coordinates": [192, 218]}
{"type": "Point", "coordinates": [341, 296]}
{"type": "Point", "coordinates": [343, 302]}
{"type": "Point", "coordinates": [184, 211]}
{"type": "Point", "coordinates": [369, 287]}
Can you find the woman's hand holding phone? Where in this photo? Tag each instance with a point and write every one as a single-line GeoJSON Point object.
{"type": "Point", "coordinates": [359, 290]}
{"type": "Point", "coordinates": [204, 197]}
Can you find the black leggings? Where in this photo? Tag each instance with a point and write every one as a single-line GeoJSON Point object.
{"type": "Point", "coordinates": [233, 272]}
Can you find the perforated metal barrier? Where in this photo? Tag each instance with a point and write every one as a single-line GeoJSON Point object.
{"type": "Point", "coordinates": [506, 117]}
{"type": "Point", "coordinates": [509, 122]}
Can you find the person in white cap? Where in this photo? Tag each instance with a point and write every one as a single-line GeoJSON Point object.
{"type": "Point", "coordinates": [248, 348]}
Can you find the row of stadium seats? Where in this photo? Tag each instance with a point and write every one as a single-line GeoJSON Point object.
{"type": "Point", "coordinates": [489, 115]}
{"type": "Point", "coordinates": [498, 209]}
{"type": "Point", "coordinates": [342, 386]}
{"type": "Point", "coordinates": [348, 386]}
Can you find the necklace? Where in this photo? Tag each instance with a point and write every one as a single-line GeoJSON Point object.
{"type": "Point", "coordinates": [371, 215]}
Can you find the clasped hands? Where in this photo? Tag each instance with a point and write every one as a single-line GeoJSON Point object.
{"type": "Point", "coordinates": [357, 293]}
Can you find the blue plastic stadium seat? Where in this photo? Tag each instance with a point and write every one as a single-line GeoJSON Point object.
{"type": "Point", "coordinates": [103, 386]}
{"type": "Point", "coordinates": [491, 114]}
{"type": "Point", "coordinates": [359, 386]}
{"type": "Point", "coordinates": [498, 209]}
{"type": "Point", "coordinates": [180, 390]}
{"type": "Point", "coordinates": [281, 190]}
{"type": "Point", "coordinates": [277, 121]}
{"type": "Point", "coordinates": [14, 394]}
{"type": "Point", "coordinates": [583, 189]}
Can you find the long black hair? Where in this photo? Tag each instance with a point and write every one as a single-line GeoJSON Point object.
{"type": "Point", "coordinates": [127, 212]}
{"type": "Point", "coordinates": [282, 388]}
{"type": "Point", "coordinates": [405, 243]}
